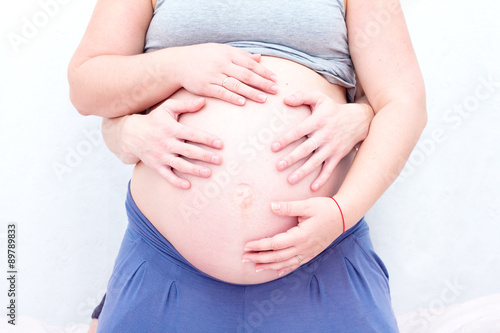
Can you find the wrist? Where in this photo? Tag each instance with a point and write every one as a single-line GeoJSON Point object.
{"type": "Point", "coordinates": [175, 59]}
{"type": "Point", "coordinates": [127, 126]}
{"type": "Point", "coordinates": [341, 214]}
{"type": "Point", "coordinates": [349, 208]}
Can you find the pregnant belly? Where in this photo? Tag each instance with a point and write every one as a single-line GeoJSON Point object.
{"type": "Point", "coordinates": [210, 223]}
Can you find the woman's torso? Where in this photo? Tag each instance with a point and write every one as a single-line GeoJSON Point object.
{"type": "Point", "coordinates": [210, 223]}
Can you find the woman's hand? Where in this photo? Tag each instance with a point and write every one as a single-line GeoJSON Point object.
{"type": "Point", "coordinates": [159, 141]}
{"type": "Point", "coordinates": [224, 72]}
{"type": "Point", "coordinates": [319, 224]}
{"type": "Point", "coordinates": [333, 130]}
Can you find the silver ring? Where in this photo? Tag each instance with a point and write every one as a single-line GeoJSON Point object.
{"type": "Point", "coordinates": [315, 143]}
{"type": "Point", "coordinates": [224, 82]}
{"type": "Point", "coordinates": [172, 161]}
{"type": "Point", "coordinates": [298, 258]}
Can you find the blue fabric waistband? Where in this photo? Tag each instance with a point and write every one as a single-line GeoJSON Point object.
{"type": "Point", "coordinates": [145, 229]}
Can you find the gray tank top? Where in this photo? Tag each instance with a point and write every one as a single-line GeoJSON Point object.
{"type": "Point", "coordinates": [310, 32]}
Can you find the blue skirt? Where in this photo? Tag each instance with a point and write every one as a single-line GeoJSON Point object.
{"type": "Point", "coordinates": [154, 289]}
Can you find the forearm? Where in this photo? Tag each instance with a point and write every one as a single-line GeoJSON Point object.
{"type": "Point", "coordinates": [362, 106]}
{"type": "Point", "coordinates": [393, 134]}
{"type": "Point", "coordinates": [112, 130]}
{"type": "Point", "coordinates": [112, 85]}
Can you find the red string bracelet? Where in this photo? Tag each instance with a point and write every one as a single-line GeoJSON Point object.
{"type": "Point", "coordinates": [343, 222]}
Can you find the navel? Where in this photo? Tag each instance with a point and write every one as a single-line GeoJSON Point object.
{"type": "Point", "coordinates": [242, 196]}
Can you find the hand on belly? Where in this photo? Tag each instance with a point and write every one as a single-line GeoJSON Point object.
{"type": "Point", "coordinates": [210, 223]}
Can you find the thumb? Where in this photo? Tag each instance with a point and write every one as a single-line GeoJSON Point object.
{"type": "Point", "coordinates": [184, 106]}
{"type": "Point", "coordinates": [290, 208]}
{"type": "Point", "coordinates": [311, 98]}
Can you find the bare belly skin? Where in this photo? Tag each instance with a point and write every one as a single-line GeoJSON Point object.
{"type": "Point", "coordinates": [210, 223]}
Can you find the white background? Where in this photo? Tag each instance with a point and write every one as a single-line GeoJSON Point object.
{"type": "Point", "coordinates": [437, 227]}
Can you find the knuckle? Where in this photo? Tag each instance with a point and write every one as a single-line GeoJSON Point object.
{"type": "Point", "coordinates": [168, 131]}
{"type": "Point", "coordinates": [251, 64]}
{"type": "Point", "coordinates": [314, 164]}
{"type": "Point", "coordinates": [330, 135]}
{"type": "Point", "coordinates": [306, 148]}
{"type": "Point", "coordinates": [274, 245]}
{"type": "Point", "coordinates": [188, 151]}
{"type": "Point", "coordinates": [237, 86]}
{"type": "Point", "coordinates": [156, 154]}
{"type": "Point", "coordinates": [207, 157]}
{"type": "Point", "coordinates": [247, 75]}
{"type": "Point", "coordinates": [295, 133]}
{"type": "Point", "coordinates": [221, 93]}
{"type": "Point", "coordinates": [318, 122]}
{"type": "Point", "coordinates": [194, 170]}
{"type": "Point", "coordinates": [234, 98]}
{"type": "Point", "coordinates": [287, 208]}
{"type": "Point", "coordinates": [164, 144]}
{"type": "Point", "coordinates": [277, 258]}
{"type": "Point", "coordinates": [192, 135]}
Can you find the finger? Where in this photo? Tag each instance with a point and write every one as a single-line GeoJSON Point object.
{"type": "Point", "coordinates": [269, 256]}
{"type": "Point", "coordinates": [284, 271]}
{"type": "Point", "coordinates": [301, 151]}
{"type": "Point", "coordinates": [167, 174]}
{"type": "Point", "coordinates": [181, 165]}
{"type": "Point", "coordinates": [287, 264]}
{"type": "Point", "coordinates": [250, 78]}
{"type": "Point", "coordinates": [313, 163]}
{"type": "Point", "coordinates": [293, 134]}
{"type": "Point", "coordinates": [254, 65]}
{"type": "Point", "coordinates": [217, 91]}
{"type": "Point", "coordinates": [256, 56]}
{"type": "Point", "coordinates": [277, 242]}
{"type": "Point", "coordinates": [326, 172]}
{"type": "Point", "coordinates": [292, 208]}
{"type": "Point", "coordinates": [196, 153]}
{"type": "Point", "coordinates": [176, 107]}
{"type": "Point", "coordinates": [311, 98]}
{"type": "Point", "coordinates": [198, 136]}
{"type": "Point", "coordinates": [236, 86]}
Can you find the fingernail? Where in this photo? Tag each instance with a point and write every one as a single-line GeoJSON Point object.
{"type": "Point", "coordinates": [241, 101]}
{"type": "Point", "coordinates": [218, 144]}
{"type": "Point", "coordinates": [290, 99]}
{"type": "Point", "coordinates": [276, 146]}
{"type": "Point", "coordinates": [205, 172]}
{"type": "Point", "coordinates": [275, 206]}
{"type": "Point", "coordinates": [294, 178]}
{"type": "Point", "coordinates": [262, 97]}
{"type": "Point", "coordinates": [315, 186]}
{"type": "Point", "coordinates": [246, 249]}
{"type": "Point", "coordinates": [274, 88]}
{"type": "Point", "coordinates": [274, 77]}
{"type": "Point", "coordinates": [215, 159]}
{"type": "Point", "coordinates": [258, 270]}
{"type": "Point", "coordinates": [282, 164]}
{"type": "Point", "coordinates": [280, 273]}
{"type": "Point", "coordinates": [245, 261]}
{"type": "Point", "coordinates": [185, 185]}
{"type": "Point", "coordinates": [199, 100]}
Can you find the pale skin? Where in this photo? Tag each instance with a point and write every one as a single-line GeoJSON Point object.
{"type": "Point", "coordinates": [387, 69]}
